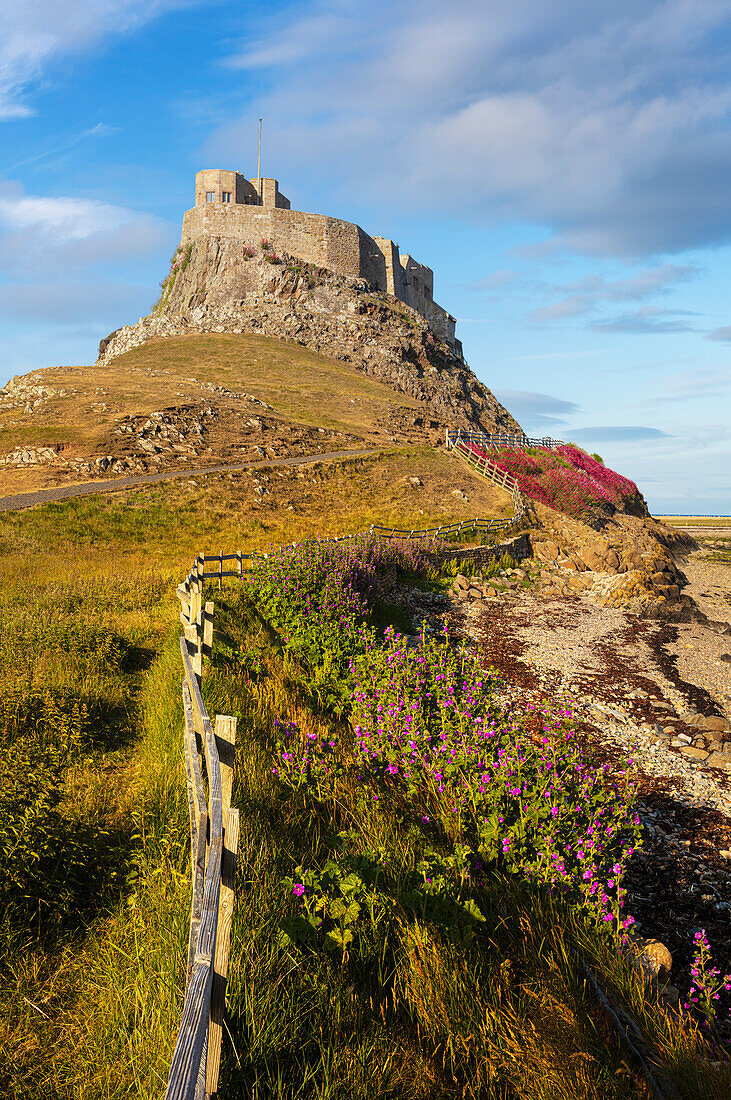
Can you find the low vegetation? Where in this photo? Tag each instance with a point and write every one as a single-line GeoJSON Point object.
{"type": "Point", "coordinates": [393, 936]}
{"type": "Point", "coordinates": [567, 479]}
{"type": "Point", "coordinates": [421, 873]}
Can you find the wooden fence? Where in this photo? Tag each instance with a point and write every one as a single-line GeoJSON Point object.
{"type": "Point", "coordinates": [483, 465]}
{"type": "Point", "coordinates": [214, 824]}
{"type": "Point", "coordinates": [491, 441]}
{"type": "Point", "coordinates": [214, 835]}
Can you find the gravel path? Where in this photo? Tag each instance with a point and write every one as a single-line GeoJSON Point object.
{"type": "Point", "coordinates": [64, 492]}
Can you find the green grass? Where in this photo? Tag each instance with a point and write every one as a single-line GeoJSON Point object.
{"type": "Point", "coordinates": [92, 953]}
{"type": "Point", "coordinates": [426, 1002]}
{"type": "Point", "coordinates": [165, 525]}
{"type": "Point", "coordinates": [90, 703]}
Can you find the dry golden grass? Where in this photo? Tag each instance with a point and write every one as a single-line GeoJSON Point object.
{"type": "Point", "coordinates": [163, 526]}
{"type": "Point", "coordinates": [696, 521]}
{"type": "Point", "coordinates": [303, 387]}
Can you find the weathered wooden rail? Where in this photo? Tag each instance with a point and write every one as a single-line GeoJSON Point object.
{"type": "Point", "coordinates": [495, 440]}
{"type": "Point", "coordinates": [214, 824]}
{"type": "Point", "coordinates": [481, 462]}
{"type": "Point", "coordinates": [214, 835]}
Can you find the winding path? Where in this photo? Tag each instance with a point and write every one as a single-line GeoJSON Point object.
{"type": "Point", "coordinates": [90, 488]}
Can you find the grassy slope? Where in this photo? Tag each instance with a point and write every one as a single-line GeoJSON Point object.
{"type": "Point", "coordinates": [89, 994]}
{"type": "Point", "coordinates": [301, 385]}
{"type": "Point", "coordinates": [164, 525]}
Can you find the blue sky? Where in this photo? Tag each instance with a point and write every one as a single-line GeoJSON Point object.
{"type": "Point", "coordinates": [564, 167]}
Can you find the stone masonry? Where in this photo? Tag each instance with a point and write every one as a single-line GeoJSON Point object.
{"type": "Point", "coordinates": [227, 205]}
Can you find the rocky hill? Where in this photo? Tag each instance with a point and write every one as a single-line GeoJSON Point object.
{"type": "Point", "coordinates": [215, 286]}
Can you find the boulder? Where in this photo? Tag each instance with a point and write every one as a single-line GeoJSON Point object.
{"type": "Point", "coordinates": [693, 753]}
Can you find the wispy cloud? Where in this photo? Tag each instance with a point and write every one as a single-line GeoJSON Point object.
{"type": "Point", "coordinates": [692, 385]}
{"type": "Point", "coordinates": [64, 143]}
{"type": "Point", "coordinates": [537, 410]}
{"type": "Point", "coordinates": [607, 127]}
{"type": "Point", "coordinates": [647, 320]}
{"type": "Point", "coordinates": [722, 334]}
{"type": "Point", "coordinates": [624, 433]}
{"type": "Point", "coordinates": [39, 233]}
{"type": "Point", "coordinates": [38, 32]}
{"type": "Point", "coordinates": [585, 296]}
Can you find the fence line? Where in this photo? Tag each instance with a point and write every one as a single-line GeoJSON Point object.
{"type": "Point", "coordinates": [481, 462]}
{"type": "Point", "coordinates": [214, 835]}
{"type": "Point", "coordinates": [495, 440]}
{"type": "Point", "coordinates": [214, 824]}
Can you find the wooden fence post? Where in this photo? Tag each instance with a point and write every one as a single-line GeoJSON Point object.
{"type": "Point", "coordinates": [207, 635]}
{"type": "Point", "coordinates": [225, 734]}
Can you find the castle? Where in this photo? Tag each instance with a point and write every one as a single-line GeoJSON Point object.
{"type": "Point", "coordinates": [227, 204]}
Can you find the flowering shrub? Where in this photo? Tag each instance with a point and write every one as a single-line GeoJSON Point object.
{"type": "Point", "coordinates": [265, 244]}
{"type": "Point", "coordinates": [248, 251]}
{"type": "Point", "coordinates": [272, 258]}
{"type": "Point", "coordinates": [566, 479]}
{"type": "Point", "coordinates": [320, 596]}
{"type": "Point", "coordinates": [707, 984]}
{"type": "Point", "coordinates": [508, 791]}
{"type": "Point", "coordinates": [517, 791]}
{"type": "Point", "coordinates": [178, 264]}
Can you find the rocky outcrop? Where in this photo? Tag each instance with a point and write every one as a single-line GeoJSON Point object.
{"type": "Point", "coordinates": [629, 563]}
{"type": "Point", "coordinates": [221, 289]}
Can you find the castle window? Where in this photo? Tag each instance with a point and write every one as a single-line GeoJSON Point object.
{"type": "Point", "coordinates": [210, 196]}
{"type": "Point", "coordinates": [226, 196]}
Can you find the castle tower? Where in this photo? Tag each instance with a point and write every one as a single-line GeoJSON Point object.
{"type": "Point", "coordinates": [216, 185]}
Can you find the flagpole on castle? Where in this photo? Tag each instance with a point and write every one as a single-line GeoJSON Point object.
{"type": "Point", "coordinates": [258, 170]}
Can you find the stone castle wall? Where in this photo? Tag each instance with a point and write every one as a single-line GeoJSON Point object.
{"type": "Point", "coordinates": [318, 239]}
{"type": "Point", "coordinates": [257, 210]}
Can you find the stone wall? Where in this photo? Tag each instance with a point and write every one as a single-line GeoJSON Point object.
{"type": "Point", "coordinates": [318, 239]}
{"type": "Point", "coordinates": [339, 246]}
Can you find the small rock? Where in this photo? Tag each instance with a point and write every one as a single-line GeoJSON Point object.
{"type": "Point", "coordinates": [719, 760]}
{"type": "Point", "coordinates": [694, 754]}
{"type": "Point", "coordinates": [715, 722]}
{"type": "Point", "coordinates": [653, 960]}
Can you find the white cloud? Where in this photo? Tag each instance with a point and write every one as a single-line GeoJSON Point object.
{"type": "Point", "coordinates": [607, 126]}
{"type": "Point", "coordinates": [39, 233]}
{"type": "Point", "coordinates": [37, 32]}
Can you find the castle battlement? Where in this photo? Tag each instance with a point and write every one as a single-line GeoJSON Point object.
{"type": "Point", "coordinates": [227, 204]}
